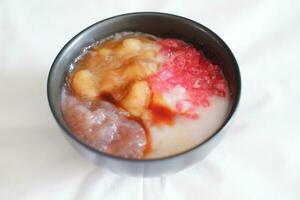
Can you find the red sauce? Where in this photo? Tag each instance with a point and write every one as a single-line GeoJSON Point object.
{"type": "Point", "coordinates": [148, 146]}
{"type": "Point", "coordinates": [106, 96]}
{"type": "Point", "coordinates": [161, 114]}
{"type": "Point", "coordinates": [109, 98]}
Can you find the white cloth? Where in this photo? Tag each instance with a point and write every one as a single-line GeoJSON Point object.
{"type": "Point", "coordinates": [258, 158]}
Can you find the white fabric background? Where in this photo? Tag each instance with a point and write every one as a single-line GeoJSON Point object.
{"type": "Point", "coordinates": [258, 158]}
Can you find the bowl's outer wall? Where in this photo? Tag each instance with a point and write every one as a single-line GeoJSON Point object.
{"type": "Point", "coordinates": [161, 25]}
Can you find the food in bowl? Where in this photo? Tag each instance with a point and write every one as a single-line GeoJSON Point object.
{"type": "Point", "coordinates": [137, 96]}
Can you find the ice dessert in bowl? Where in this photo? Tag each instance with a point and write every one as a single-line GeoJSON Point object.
{"type": "Point", "coordinates": [144, 93]}
{"type": "Point", "coordinates": [138, 96]}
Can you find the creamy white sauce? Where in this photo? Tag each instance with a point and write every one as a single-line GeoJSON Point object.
{"type": "Point", "coordinates": [187, 133]}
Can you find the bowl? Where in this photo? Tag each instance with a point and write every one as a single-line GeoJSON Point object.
{"type": "Point", "coordinates": [161, 25]}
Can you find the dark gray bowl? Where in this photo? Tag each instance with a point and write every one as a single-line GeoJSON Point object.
{"type": "Point", "coordinates": [161, 25]}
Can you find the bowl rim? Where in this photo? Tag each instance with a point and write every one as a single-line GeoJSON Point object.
{"type": "Point", "coordinates": [160, 14]}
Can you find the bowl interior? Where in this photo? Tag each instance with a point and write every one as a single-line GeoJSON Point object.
{"type": "Point", "coordinates": [158, 24]}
